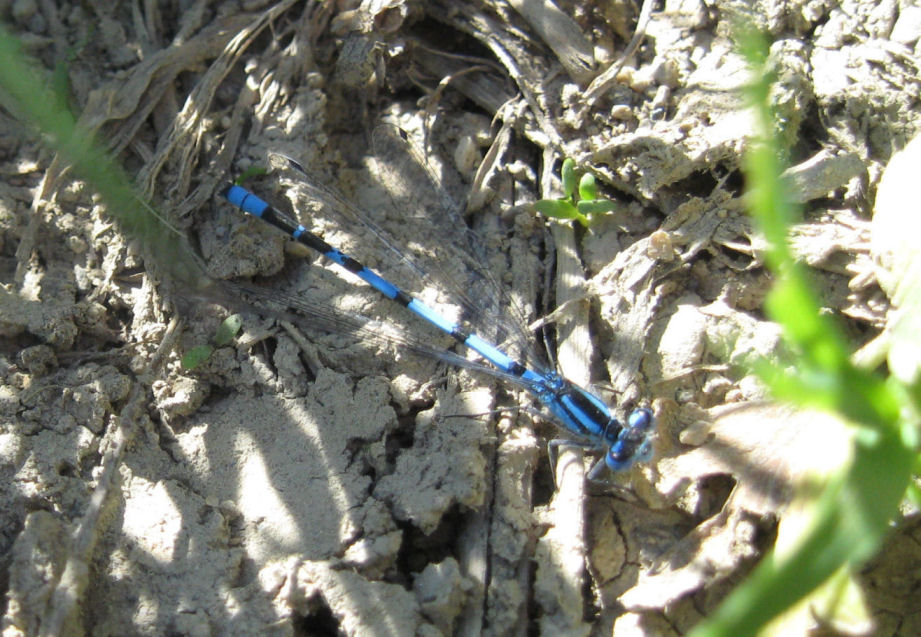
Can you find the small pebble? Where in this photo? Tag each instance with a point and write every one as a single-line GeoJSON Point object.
{"type": "Point", "coordinates": [467, 156]}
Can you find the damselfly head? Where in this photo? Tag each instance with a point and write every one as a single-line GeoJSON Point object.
{"type": "Point", "coordinates": [634, 441]}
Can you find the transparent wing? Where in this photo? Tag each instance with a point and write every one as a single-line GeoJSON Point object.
{"type": "Point", "coordinates": [314, 317]}
{"type": "Point", "coordinates": [437, 253]}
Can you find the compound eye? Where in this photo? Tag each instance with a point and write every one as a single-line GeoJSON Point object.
{"type": "Point", "coordinates": [641, 419]}
{"type": "Point", "coordinates": [617, 458]}
{"type": "Point", "coordinates": [633, 444]}
{"type": "Point", "coordinates": [621, 457]}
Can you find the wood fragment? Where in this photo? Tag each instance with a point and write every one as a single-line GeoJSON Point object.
{"type": "Point", "coordinates": [604, 81]}
{"type": "Point", "coordinates": [561, 34]}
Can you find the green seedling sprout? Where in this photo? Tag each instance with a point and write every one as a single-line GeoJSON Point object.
{"type": "Point", "coordinates": [580, 197]}
{"type": "Point", "coordinates": [230, 327]}
{"type": "Point", "coordinates": [226, 332]}
{"type": "Point", "coordinates": [250, 173]}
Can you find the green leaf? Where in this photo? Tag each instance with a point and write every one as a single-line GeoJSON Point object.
{"type": "Point", "coordinates": [556, 208]}
{"type": "Point", "coordinates": [26, 92]}
{"type": "Point", "coordinates": [196, 356]}
{"type": "Point", "coordinates": [60, 85]}
{"type": "Point", "coordinates": [852, 515]}
{"type": "Point", "coordinates": [560, 209]}
{"type": "Point", "coordinates": [252, 172]}
{"type": "Point", "coordinates": [568, 173]}
{"type": "Point", "coordinates": [587, 188]}
{"type": "Point", "coordinates": [228, 330]}
{"type": "Point", "coordinates": [596, 206]}
{"type": "Point", "coordinates": [847, 526]}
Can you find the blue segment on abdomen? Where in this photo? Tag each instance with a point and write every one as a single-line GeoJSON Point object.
{"type": "Point", "coordinates": [490, 352]}
{"type": "Point", "coordinates": [432, 316]}
{"type": "Point", "coordinates": [379, 283]}
{"type": "Point", "coordinates": [246, 201]}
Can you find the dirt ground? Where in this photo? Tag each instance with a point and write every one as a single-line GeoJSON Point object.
{"type": "Point", "coordinates": [307, 482]}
